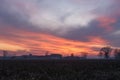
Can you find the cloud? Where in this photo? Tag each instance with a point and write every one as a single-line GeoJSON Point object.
{"type": "Point", "coordinates": [107, 22]}
{"type": "Point", "coordinates": [117, 32]}
{"type": "Point", "coordinates": [56, 14]}
{"type": "Point", "coordinates": [39, 43]}
{"type": "Point", "coordinates": [59, 25]}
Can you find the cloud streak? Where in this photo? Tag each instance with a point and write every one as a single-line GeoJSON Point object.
{"type": "Point", "coordinates": [35, 42]}
{"type": "Point", "coordinates": [59, 26]}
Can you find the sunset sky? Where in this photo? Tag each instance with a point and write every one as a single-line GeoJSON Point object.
{"type": "Point", "coordinates": [59, 26]}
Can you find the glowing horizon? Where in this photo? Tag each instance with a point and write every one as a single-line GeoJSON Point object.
{"type": "Point", "coordinates": [65, 26]}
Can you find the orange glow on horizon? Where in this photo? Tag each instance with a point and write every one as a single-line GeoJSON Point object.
{"type": "Point", "coordinates": [5, 46]}
{"type": "Point", "coordinates": [39, 43]}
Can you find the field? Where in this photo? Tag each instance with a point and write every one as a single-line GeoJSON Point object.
{"type": "Point", "coordinates": [60, 70]}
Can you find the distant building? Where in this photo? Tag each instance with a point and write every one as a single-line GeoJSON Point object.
{"type": "Point", "coordinates": [36, 57]}
{"type": "Point", "coordinates": [72, 57]}
{"type": "Point", "coordinates": [55, 56]}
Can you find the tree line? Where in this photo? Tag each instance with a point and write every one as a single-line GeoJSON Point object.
{"type": "Point", "coordinates": [106, 51]}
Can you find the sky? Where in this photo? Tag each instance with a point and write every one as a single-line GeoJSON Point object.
{"type": "Point", "coordinates": [59, 26]}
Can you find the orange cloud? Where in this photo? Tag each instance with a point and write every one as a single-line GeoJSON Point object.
{"type": "Point", "coordinates": [39, 43]}
{"type": "Point", "coordinates": [5, 46]}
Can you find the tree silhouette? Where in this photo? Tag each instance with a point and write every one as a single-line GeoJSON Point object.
{"type": "Point", "coordinates": [72, 55]}
{"type": "Point", "coordinates": [84, 55]}
{"type": "Point", "coordinates": [5, 53]}
{"type": "Point", "coordinates": [117, 53]}
{"type": "Point", "coordinates": [105, 51]}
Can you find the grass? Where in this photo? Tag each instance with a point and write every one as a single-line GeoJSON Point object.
{"type": "Point", "coordinates": [60, 70]}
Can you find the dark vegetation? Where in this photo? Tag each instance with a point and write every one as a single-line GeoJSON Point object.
{"type": "Point", "coordinates": [60, 70]}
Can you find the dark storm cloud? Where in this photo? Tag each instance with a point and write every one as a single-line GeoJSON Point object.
{"type": "Point", "coordinates": [84, 33]}
{"type": "Point", "coordinates": [8, 16]}
{"type": "Point", "coordinates": [94, 29]}
{"type": "Point", "coordinates": [114, 37]}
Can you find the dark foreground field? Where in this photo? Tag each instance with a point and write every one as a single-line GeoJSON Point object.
{"type": "Point", "coordinates": [60, 70]}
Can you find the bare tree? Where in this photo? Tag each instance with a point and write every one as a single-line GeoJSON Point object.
{"type": "Point", "coordinates": [105, 51]}
{"type": "Point", "coordinates": [84, 55]}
